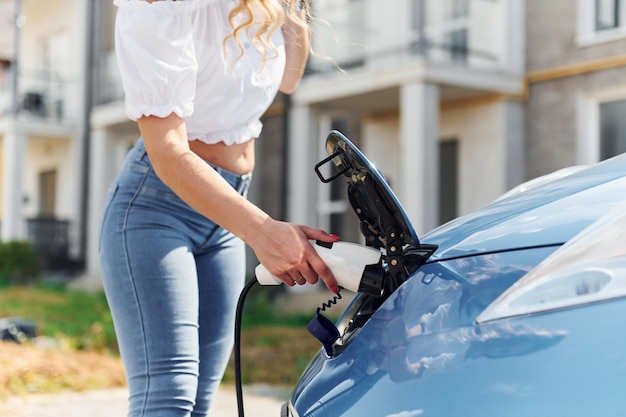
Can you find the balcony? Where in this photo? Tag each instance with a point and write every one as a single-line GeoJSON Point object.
{"type": "Point", "coordinates": [379, 33]}
{"type": "Point", "coordinates": [42, 97]}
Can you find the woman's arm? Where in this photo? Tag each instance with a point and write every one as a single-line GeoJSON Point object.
{"type": "Point", "coordinates": [283, 248]}
{"type": "Point", "coordinates": [297, 47]}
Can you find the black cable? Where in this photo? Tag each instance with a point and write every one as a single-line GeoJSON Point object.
{"type": "Point", "coordinates": [237, 347]}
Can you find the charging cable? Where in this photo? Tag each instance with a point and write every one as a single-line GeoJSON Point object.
{"type": "Point", "coordinates": [237, 347]}
{"type": "Point", "coordinates": [320, 327]}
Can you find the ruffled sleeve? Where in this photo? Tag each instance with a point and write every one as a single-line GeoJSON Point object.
{"type": "Point", "coordinates": [156, 57]}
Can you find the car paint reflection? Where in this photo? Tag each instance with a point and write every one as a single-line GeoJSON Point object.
{"type": "Point", "coordinates": [425, 328]}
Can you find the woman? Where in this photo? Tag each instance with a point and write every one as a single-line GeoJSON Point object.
{"type": "Point", "coordinates": [197, 75]}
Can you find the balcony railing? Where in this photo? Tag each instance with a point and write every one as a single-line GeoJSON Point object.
{"type": "Point", "coordinates": [373, 33]}
{"type": "Point", "coordinates": [50, 238]}
{"type": "Point", "coordinates": [40, 96]}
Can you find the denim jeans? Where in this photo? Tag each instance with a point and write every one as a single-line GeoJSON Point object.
{"type": "Point", "coordinates": [172, 279]}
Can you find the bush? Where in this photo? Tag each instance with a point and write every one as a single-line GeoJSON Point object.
{"type": "Point", "coordinates": [19, 263]}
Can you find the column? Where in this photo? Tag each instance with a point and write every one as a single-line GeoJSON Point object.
{"type": "Point", "coordinates": [102, 162]}
{"type": "Point", "coordinates": [418, 189]}
{"type": "Point", "coordinates": [301, 179]}
{"type": "Point", "coordinates": [14, 147]}
{"type": "Point", "coordinates": [513, 138]}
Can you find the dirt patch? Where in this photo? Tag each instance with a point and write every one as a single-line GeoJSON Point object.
{"type": "Point", "coordinates": [28, 369]}
{"type": "Point", "coordinates": [270, 355]}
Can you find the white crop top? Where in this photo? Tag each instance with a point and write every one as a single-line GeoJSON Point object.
{"type": "Point", "coordinates": [172, 59]}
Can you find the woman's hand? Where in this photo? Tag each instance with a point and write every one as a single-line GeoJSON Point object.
{"type": "Point", "coordinates": [284, 249]}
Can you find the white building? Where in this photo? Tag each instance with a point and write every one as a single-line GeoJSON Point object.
{"type": "Point", "coordinates": [43, 158]}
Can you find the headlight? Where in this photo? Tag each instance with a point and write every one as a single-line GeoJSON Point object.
{"type": "Point", "coordinates": [589, 268]}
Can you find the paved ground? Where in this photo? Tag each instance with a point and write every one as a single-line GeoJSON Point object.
{"type": "Point", "coordinates": [259, 401]}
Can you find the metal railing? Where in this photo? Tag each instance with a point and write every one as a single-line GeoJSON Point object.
{"type": "Point", "coordinates": [42, 96]}
{"type": "Point", "coordinates": [50, 239]}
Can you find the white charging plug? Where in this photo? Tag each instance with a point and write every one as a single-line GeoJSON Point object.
{"type": "Point", "coordinates": [346, 260]}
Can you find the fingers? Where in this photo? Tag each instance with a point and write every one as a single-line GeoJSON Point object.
{"type": "Point", "coordinates": [319, 234]}
{"type": "Point", "coordinates": [317, 264]}
{"type": "Point", "coordinates": [303, 278]}
{"type": "Point", "coordinates": [324, 272]}
{"type": "Point", "coordinates": [309, 271]}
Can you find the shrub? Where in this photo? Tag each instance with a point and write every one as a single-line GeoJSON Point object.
{"type": "Point", "coordinates": [19, 263]}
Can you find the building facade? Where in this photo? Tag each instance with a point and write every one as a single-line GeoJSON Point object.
{"type": "Point", "coordinates": [455, 101]}
{"type": "Point", "coordinates": [576, 71]}
{"type": "Point", "coordinates": [44, 129]}
{"type": "Point", "coordinates": [432, 90]}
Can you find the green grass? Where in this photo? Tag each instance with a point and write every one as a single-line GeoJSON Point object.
{"type": "Point", "coordinates": [78, 319]}
{"type": "Point", "coordinates": [261, 311]}
{"type": "Point", "coordinates": [276, 347]}
{"type": "Point", "coordinates": [83, 320]}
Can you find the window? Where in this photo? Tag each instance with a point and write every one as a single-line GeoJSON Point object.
{"type": "Point", "coordinates": [455, 27]}
{"type": "Point", "coordinates": [612, 128]}
{"type": "Point", "coordinates": [448, 179]}
{"type": "Point", "coordinates": [55, 56]}
{"type": "Point", "coordinates": [457, 44]}
{"type": "Point", "coordinates": [456, 9]}
{"type": "Point", "coordinates": [601, 21]}
{"type": "Point", "coordinates": [607, 16]}
{"type": "Point", "coordinates": [601, 124]}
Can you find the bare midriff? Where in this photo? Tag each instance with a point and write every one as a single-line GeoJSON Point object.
{"type": "Point", "coordinates": [238, 158]}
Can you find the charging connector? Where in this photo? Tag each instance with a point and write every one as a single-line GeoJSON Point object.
{"type": "Point", "coordinates": [354, 266]}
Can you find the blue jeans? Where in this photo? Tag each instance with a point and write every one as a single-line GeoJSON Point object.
{"type": "Point", "coordinates": [172, 279]}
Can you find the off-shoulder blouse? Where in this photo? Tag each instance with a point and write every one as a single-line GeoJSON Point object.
{"type": "Point", "coordinates": [172, 59]}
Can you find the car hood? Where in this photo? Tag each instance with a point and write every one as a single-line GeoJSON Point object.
{"type": "Point", "coordinates": [549, 214]}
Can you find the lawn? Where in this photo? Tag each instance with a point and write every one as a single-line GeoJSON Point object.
{"type": "Point", "coordinates": [80, 351]}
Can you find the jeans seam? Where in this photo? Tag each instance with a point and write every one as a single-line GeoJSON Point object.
{"type": "Point", "coordinates": [139, 307]}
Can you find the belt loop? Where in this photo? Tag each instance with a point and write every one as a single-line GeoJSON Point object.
{"type": "Point", "coordinates": [244, 184]}
{"type": "Point", "coordinates": [140, 150]}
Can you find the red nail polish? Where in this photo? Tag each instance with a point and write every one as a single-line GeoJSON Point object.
{"type": "Point", "coordinates": [334, 289]}
{"type": "Point", "coordinates": [335, 237]}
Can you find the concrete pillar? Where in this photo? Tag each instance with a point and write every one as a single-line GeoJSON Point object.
{"type": "Point", "coordinates": [301, 181]}
{"type": "Point", "coordinates": [81, 140]}
{"type": "Point", "coordinates": [14, 148]}
{"type": "Point", "coordinates": [418, 189]}
{"type": "Point", "coordinates": [102, 162]}
{"type": "Point", "coordinates": [514, 149]}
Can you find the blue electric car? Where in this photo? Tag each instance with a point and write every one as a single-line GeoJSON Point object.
{"type": "Point", "coordinates": [517, 309]}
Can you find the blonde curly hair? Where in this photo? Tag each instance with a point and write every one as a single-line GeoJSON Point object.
{"type": "Point", "coordinates": [264, 17]}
